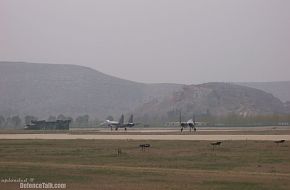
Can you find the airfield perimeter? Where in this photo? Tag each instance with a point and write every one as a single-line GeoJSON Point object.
{"type": "Point", "coordinates": [208, 134]}
{"type": "Point", "coordinates": [89, 158]}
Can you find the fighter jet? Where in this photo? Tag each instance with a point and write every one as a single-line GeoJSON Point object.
{"type": "Point", "coordinates": [120, 123]}
{"type": "Point", "coordinates": [190, 123]}
{"type": "Point", "coordinates": [130, 122]}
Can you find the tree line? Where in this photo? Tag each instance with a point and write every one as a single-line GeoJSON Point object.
{"type": "Point", "coordinates": [255, 120]}
{"type": "Point", "coordinates": [214, 120]}
{"type": "Point", "coordinates": [16, 122]}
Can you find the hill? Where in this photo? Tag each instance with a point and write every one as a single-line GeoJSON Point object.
{"type": "Point", "coordinates": [218, 99]}
{"type": "Point", "coordinates": [280, 89]}
{"type": "Point", "coordinates": [48, 89]}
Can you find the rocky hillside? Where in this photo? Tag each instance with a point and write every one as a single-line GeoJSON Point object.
{"type": "Point", "coordinates": [46, 89]}
{"type": "Point", "coordinates": [280, 89]}
{"type": "Point", "coordinates": [215, 99]}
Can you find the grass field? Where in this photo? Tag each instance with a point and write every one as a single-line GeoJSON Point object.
{"type": "Point", "coordinates": [94, 164]}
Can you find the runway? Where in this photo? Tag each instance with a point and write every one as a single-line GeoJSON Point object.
{"type": "Point", "coordinates": [177, 129]}
{"type": "Point", "coordinates": [193, 137]}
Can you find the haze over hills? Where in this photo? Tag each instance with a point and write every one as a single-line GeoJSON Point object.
{"type": "Point", "coordinates": [47, 89]}
{"type": "Point", "coordinates": [219, 99]}
{"type": "Point", "coordinates": [280, 89]}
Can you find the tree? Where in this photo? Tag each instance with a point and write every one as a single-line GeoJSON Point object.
{"type": "Point", "coordinates": [82, 121]}
{"type": "Point", "coordinates": [51, 118]}
{"type": "Point", "coordinates": [70, 118]}
{"type": "Point", "coordinates": [2, 121]}
{"type": "Point", "coordinates": [29, 118]}
{"type": "Point", "coordinates": [61, 117]}
{"type": "Point", "coordinates": [16, 121]}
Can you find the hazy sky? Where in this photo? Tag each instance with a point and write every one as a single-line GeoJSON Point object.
{"type": "Point", "coordinates": [179, 41]}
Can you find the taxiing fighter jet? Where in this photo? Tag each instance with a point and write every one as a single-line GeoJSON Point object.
{"type": "Point", "coordinates": [190, 123]}
{"type": "Point", "coordinates": [120, 123]}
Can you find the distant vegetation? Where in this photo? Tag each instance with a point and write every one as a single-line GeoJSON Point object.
{"type": "Point", "coordinates": [257, 120]}
{"type": "Point", "coordinates": [13, 122]}
{"type": "Point", "coordinates": [84, 121]}
{"type": "Point", "coordinates": [228, 120]}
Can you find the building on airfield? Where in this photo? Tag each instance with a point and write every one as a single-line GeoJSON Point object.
{"type": "Point", "coordinates": [49, 125]}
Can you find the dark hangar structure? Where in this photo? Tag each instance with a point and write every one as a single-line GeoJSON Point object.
{"type": "Point", "coordinates": [49, 125]}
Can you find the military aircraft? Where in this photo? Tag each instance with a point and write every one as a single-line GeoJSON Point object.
{"type": "Point", "coordinates": [190, 123]}
{"type": "Point", "coordinates": [120, 123]}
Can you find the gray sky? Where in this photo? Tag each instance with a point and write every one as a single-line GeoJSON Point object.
{"type": "Point", "coordinates": [175, 41]}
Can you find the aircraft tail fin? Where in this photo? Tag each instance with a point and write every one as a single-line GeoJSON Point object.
{"type": "Point", "coordinates": [121, 121]}
{"type": "Point", "coordinates": [130, 119]}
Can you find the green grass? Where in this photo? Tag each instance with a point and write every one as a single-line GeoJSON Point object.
{"type": "Point", "coordinates": [228, 185]}
{"type": "Point", "coordinates": [167, 165]}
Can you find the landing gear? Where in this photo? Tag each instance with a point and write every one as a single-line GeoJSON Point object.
{"type": "Point", "coordinates": [125, 128]}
